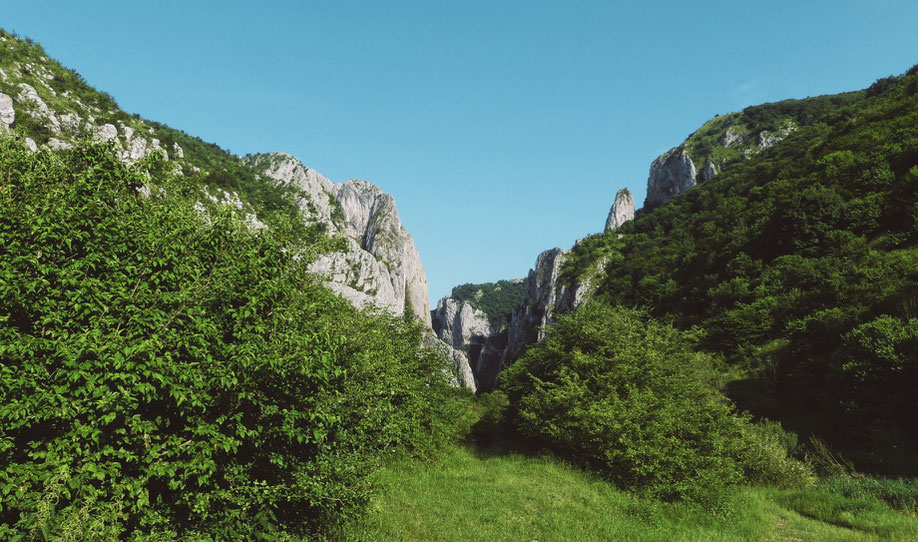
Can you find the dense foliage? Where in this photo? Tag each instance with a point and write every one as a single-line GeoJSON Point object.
{"type": "Point", "coordinates": [496, 299]}
{"type": "Point", "coordinates": [801, 266]}
{"type": "Point", "coordinates": [749, 127]}
{"type": "Point", "coordinates": [172, 373]}
{"type": "Point", "coordinates": [628, 396]}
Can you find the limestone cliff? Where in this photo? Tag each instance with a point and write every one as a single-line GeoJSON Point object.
{"type": "Point", "coordinates": [548, 294]}
{"type": "Point", "coordinates": [622, 210]}
{"type": "Point", "coordinates": [493, 345]}
{"type": "Point", "coordinates": [671, 174]}
{"type": "Point", "coordinates": [463, 375]}
{"type": "Point", "coordinates": [470, 330]}
{"type": "Point", "coordinates": [380, 264]}
{"type": "Point", "coordinates": [718, 143]}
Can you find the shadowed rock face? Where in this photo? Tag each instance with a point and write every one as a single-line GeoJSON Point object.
{"type": "Point", "coordinates": [466, 328]}
{"type": "Point", "coordinates": [671, 174]}
{"type": "Point", "coordinates": [622, 210]}
{"type": "Point", "coordinates": [709, 172]}
{"type": "Point", "coordinates": [463, 375]}
{"type": "Point", "coordinates": [380, 264]}
{"type": "Point", "coordinates": [490, 347]}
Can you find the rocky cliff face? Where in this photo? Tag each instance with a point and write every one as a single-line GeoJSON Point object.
{"type": "Point", "coordinates": [671, 174]}
{"type": "Point", "coordinates": [493, 347]}
{"type": "Point", "coordinates": [622, 210]}
{"type": "Point", "coordinates": [469, 330]}
{"type": "Point", "coordinates": [547, 296]}
{"type": "Point", "coordinates": [457, 322]}
{"type": "Point", "coordinates": [380, 264]}
{"type": "Point", "coordinates": [463, 371]}
{"type": "Point", "coordinates": [718, 143]}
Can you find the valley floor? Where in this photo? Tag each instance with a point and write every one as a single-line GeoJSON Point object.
{"type": "Point", "coordinates": [469, 495]}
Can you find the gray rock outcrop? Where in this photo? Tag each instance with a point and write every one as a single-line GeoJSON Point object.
{"type": "Point", "coordinates": [622, 210]}
{"type": "Point", "coordinates": [671, 174]}
{"type": "Point", "coordinates": [57, 144]}
{"type": "Point", "coordinates": [7, 113]}
{"type": "Point", "coordinates": [107, 132]}
{"type": "Point", "coordinates": [455, 322]}
{"type": "Point", "coordinates": [462, 375]}
{"type": "Point", "coordinates": [768, 139]}
{"type": "Point", "coordinates": [380, 264]}
{"type": "Point", "coordinates": [546, 297]}
{"type": "Point", "coordinates": [468, 329]}
{"type": "Point", "coordinates": [41, 111]}
{"type": "Point", "coordinates": [732, 136]}
{"type": "Point", "coordinates": [709, 172]}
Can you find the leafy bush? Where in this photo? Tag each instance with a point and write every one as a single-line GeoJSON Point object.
{"type": "Point", "coordinates": [613, 389]}
{"type": "Point", "coordinates": [164, 371]}
{"type": "Point", "coordinates": [767, 456]}
{"type": "Point", "coordinates": [898, 493]}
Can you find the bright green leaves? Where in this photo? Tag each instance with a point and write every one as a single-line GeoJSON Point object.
{"type": "Point", "coordinates": [614, 390]}
{"type": "Point", "coordinates": [188, 375]}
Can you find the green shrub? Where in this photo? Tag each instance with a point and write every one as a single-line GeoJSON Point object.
{"type": "Point", "coordinates": [898, 493]}
{"type": "Point", "coordinates": [164, 371]}
{"type": "Point", "coordinates": [615, 390]}
{"type": "Point", "coordinates": [766, 457]}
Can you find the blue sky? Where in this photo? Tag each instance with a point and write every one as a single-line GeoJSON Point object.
{"type": "Point", "coordinates": [501, 128]}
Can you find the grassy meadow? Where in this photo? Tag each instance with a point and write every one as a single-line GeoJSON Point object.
{"type": "Point", "coordinates": [475, 495]}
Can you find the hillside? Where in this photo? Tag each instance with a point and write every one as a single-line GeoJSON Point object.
{"type": "Point", "coordinates": [727, 139]}
{"type": "Point", "coordinates": [51, 107]}
{"type": "Point", "coordinates": [798, 265]}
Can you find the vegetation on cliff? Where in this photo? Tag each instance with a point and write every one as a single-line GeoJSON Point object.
{"type": "Point", "coordinates": [496, 299]}
{"type": "Point", "coordinates": [799, 266]}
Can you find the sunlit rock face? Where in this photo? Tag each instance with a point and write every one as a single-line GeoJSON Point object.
{"type": "Point", "coordinates": [380, 264]}
{"type": "Point", "coordinates": [622, 210]}
{"type": "Point", "coordinates": [671, 174]}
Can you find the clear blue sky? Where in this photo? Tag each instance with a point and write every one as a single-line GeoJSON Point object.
{"type": "Point", "coordinates": [501, 128]}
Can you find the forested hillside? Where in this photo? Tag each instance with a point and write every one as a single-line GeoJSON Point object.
{"type": "Point", "coordinates": [799, 267]}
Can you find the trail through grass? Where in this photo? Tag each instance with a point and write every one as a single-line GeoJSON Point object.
{"type": "Point", "coordinates": [469, 496]}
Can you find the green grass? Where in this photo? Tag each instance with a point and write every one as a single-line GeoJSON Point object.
{"type": "Point", "coordinates": [470, 496]}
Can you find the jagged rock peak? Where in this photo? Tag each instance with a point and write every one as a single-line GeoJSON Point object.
{"type": "Point", "coordinates": [671, 174]}
{"type": "Point", "coordinates": [622, 210]}
{"type": "Point", "coordinates": [537, 309]}
{"type": "Point", "coordinates": [380, 264]}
